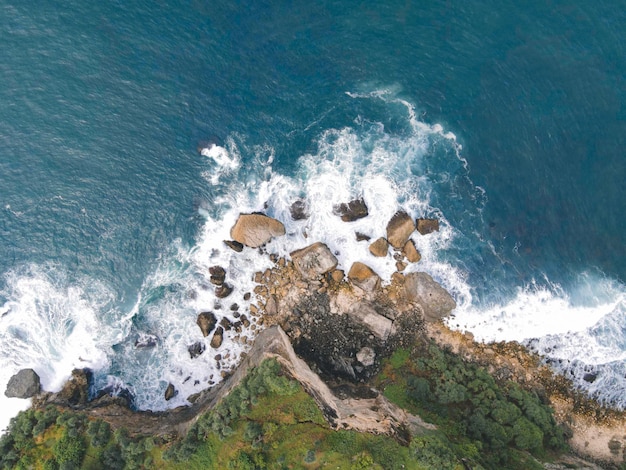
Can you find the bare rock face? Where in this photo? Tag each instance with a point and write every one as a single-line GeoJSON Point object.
{"type": "Point", "coordinates": [399, 229]}
{"type": "Point", "coordinates": [24, 384]}
{"type": "Point", "coordinates": [254, 230]}
{"type": "Point", "coordinates": [379, 248]}
{"type": "Point", "coordinates": [434, 299]}
{"type": "Point", "coordinates": [354, 210]}
{"type": "Point", "coordinates": [76, 389]}
{"type": "Point", "coordinates": [314, 260]}
{"type": "Point", "coordinates": [362, 276]}
{"type": "Point", "coordinates": [206, 321]}
{"type": "Point", "coordinates": [410, 252]}
{"type": "Point", "coordinates": [365, 314]}
{"type": "Point", "coordinates": [426, 226]}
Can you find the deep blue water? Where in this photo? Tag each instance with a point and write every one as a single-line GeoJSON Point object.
{"type": "Point", "coordinates": [104, 107]}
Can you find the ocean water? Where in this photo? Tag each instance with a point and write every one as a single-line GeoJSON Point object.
{"type": "Point", "coordinates": [133, 133]}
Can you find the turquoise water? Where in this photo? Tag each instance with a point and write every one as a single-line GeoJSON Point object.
{"type": "Point", "coordinates": [506, 121]}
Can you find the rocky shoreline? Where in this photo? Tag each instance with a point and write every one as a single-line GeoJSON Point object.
{"type": "Point", "coordinates": [331, 331]}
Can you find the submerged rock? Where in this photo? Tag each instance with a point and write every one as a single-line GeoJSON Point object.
{"type": "Point", "coordinates": [24, 384]}
{"type": "Point", "coordinates": [354, 210]}
{"type": "Point", "coordinates": [255, 230]}
{"type": "Point", "coordinates": [434, 299]}
{"type": "Point", "coordinates": [380, 247]}
{"type": "Point", "coordinates": [314, 260]}
{"type": "Point", "coordinates": [298, 210]}
{"type": "Point", "coordinates": [399, 229]}
{"type": "Point", "coordinates": [206, 321]}
{"type": "Point", "coordinates": [426, 226]}
{"type": "Point", "coordinates": [196, 349]}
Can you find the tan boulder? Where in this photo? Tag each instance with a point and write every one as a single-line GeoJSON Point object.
{"type": "Point", "coordinates": [410, 252]}
{"type": "Point", "coordinates": [206, 321]}
{"type": "Point", "coordinates": [218, 337]}
{"type": "Point", "coordinates": [380, 247]}
{"type": "Point", "coordinates": [254, 230]}
{"type": "Point", "coordinates": [364, 277]}
{"type": "Point", "coordinates": [314, 260]}
{"type": "Point", "coordinates": [426, 226]}
{"type": "Point", "coordinates": [399, 229]}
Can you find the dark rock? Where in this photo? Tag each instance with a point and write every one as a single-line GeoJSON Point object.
{"type": "Point", "coordinates": [246, 296]}
{"type": "Point", "coordinates": [170, 392]}
{"type": "Point", "coordinates": [314, 260]}
{"type": "Point", "coordinates": [434, 299]}
{"type": "Point", "coordinates": [379, 248]}
{"type": "Point", "coordinates": [362, 237]}
{"type": "Point", "coordinates": [299, 210]}
{"type": "Point", "coordinates": [145, 340]}
{"type": "Point", "coordinates": [354, 210]}
{"type": "Point", "coordinates": [399, 229]}
{"type": "Point", "coordinates": [196, 349]}
{"type": "Point", "coordinates": [226, 324]}
{"type": "Point", "coordinates": [218, 338]}
{"type": "Point", "coordinates": [233, 245]}
{"type": "Point", "coordinates": [234, 307]}
{"type": "Point", "coordinates": [590, 377]}
{"type": "Point", "coordinates": [255, 230]}
{"type": "Point", "coordinates": [223, 291]}
{"type": "Point", "coordinates": [218, 275]}
{"type": "Point", "coordinates": [426, 226]}
{"type": "Point", "coordinates": [24, 384]}
{"type": "Point", "coordinates": [206, 321]}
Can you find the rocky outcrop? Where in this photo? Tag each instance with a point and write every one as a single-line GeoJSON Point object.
{"type": "Point", "coordinates": [354, 210]}
{"type": "Point", "coordinates": [364, 277]}
{"type": "Point", "coordinates": [426, 226]}
{"type": "Point", "coordinates": [206, 321]}
{"type": "Point", "coordinates": [314, 260]}
{"type": "Point", "coordinates": [255, 230]}
{"type": "Point", "coordinates": [218, 275]}
{"type": "Point", "coordinates": [24, 384]}
{"type": "Point", "coordinates": [379, 248]}
{"type": "Point", "coordinates": [434, 299]}
{"type": "Point", "coordinates": [399, 229]}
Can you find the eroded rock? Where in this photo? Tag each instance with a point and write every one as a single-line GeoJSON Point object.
{"type": "Point", "coordinates": [366, 356]}
{"type": "Point", "coordinates": [255, 230]}
{"type": "Point", "coordinates": [399, 229]}
{"type": "Point", "coordinates": [314, 260]}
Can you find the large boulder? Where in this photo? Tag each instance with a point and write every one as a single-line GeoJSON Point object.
{"type": "Point", "coordinates": [410, 252]}
{"type": "Point", "coordinates": [24, 384]}
{"type": "Point", "coordinates": [354, 210]}
{"type": "Point", "coordinates": [364, 277]}
{"type": "Point", "coordinates": [314, 260]}
{"type": "Point", "coordinates": [254, 230]}
{"type": "Point", "coordinates": [206, 321]}
{"type": "Point", "coordinates": [426, 226]}
{"type": "Point", "coordinates": [380, 247]}
{"type": "Point", "coordinates": [434, 299]}
{"type": "Point", "coordinates": [218, 338]}
{"type": "Point", "coordinates": [399, 229]}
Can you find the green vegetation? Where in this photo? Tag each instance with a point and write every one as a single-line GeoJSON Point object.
{"type": "Point", "coordinates": [480, 421]}
{"type": "Point", "coordinates": [270, 422]}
